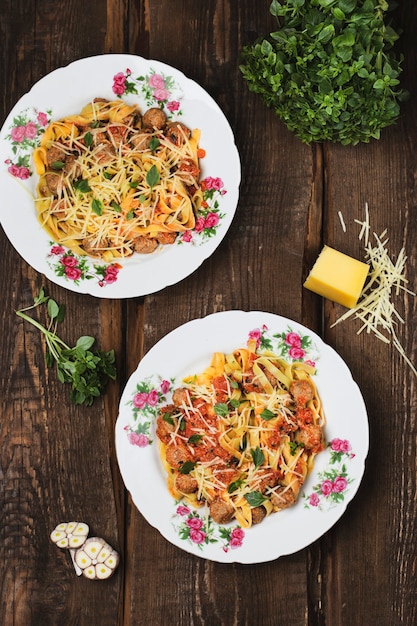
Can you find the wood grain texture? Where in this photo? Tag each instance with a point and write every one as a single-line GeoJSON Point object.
{"type": "Point", "coordinates": [58, 462]}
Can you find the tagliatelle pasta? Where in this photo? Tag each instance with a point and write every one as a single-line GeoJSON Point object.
{"type": "Point", "coordinates": [114, 182]}
{"type": "Point", "coordinates": [242, 435]}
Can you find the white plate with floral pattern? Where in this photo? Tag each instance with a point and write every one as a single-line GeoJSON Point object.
{"type": "Point", "coordinates": [327, 491]}
{"type": "Point", "coordinates": [147, 83]}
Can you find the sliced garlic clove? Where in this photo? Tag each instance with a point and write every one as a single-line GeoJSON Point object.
{"type": "Point", "coordinates": [102, 571]}
{"type": "Point", "coordinates": [90, 572]}
{"type": "Point", "coordinates": [82, 559]}
{"type": "Point", "coordinates": [93, 547]}
{"type": "Point", "coordinates": [113, 560]}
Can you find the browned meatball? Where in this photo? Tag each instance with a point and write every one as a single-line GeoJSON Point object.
{"type": "Point", "coordinates": [141, 140]}
{"type": "Point", "coordinates": [94, 248]}
{"type": "Point", "coordinates": [181, 397]}
{"type": "Point", "coordinates": [282, 498]}
{"type": "Point", "coordinates": [301, 391]}
{"type": "Point", "coordinates": [154, 118]}
{"type": "Point", "coordinates": [177, 455]}
{"type": "Point", "coordinates": [185, 483]}
{"type": "Point", "coordinates": [55, 154]}
{"type": "Point", "coordinates": [258, 514]}
{"type": "Point", "coordinates": [53, 184]}
{"type": "Point", "coordinates": [177, 133]}
{"type": "Point", "coordinates": [311, 437]}
{"type": "Point", "coordinates": [221, 512]}
{"type": "Point", "coordinates": [165, 238]}
{"type": "Point", "coordinates": [164, 427]}
{"type": "Point", "coordinates": [144, 245]}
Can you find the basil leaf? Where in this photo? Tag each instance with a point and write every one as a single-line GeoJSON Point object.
{"type": "Point", "coordinates": [154, 144]}
{"type": "Point", "coordinates": [267, 415]}
{"type": "Point", "coordinates": [116, 207]}
{"type": "Point", "coordinates": [82, 185]}
{"type": "Point", "coordinates": [221, 409]}
{"type": "Point", "coordinates": [255, 498]}
{"type": "Point", "coordinates": [97, 206]}
{"type": "Point", "coordinates": [153, 177]}
{"type": "Point", "coordinates": [167, 418]}
{"type": "Point", "coordinates": [57, 165]}
{"type": "Point", "coordinates": [257, 456]}
{"type": "Point", "coordinates": [187, 467]}
{"type": "Point", "coordinates": [88, 139]}
{"type": "Point", "coordinates": [195, 438]}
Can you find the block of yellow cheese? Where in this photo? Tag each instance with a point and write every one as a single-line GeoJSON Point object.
{"type": "Point", "coordinates": [338, 277]}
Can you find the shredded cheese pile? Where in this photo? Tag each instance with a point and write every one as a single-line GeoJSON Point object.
{"type": "Point", "coordinates": [375, 308]}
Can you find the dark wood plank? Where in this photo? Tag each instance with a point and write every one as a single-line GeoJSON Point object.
{"type": "Point", "coordinates": [375, 533]}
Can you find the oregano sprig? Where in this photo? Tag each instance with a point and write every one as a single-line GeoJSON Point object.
{"type": "Point", "coordinates": [86, 370]}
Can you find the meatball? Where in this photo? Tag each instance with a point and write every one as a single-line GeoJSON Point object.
{"type": "Point", "coordinates": [144, 245]}
{"type": "Point", "coordinates": [154, 118]}
{"type": "Point", "coordinates": [177, 455]}
{"type": "Point", "coordinates": [55, 154]}
{"type": "Point", "coordinates": [282, 498]}
{"type": "Point", "coordinates": [164, 427]}
{"type": "Point", "coordinates": [53, 184]}
{"type": "Point", "coordinates": [301, 391]}
{"type": "Point", "coordinates": [166, 238]}
{"type": "Point", "coordinates": [177, 133]}
{"type": "Point", "coordinates": [311, 437]}
{"type": "Point", "coordinates": [181, 397]}
{"type": "Point", "coordinates": [222, 512]}
{"type": "Point", "coordinates": [141, 140]}
{"type": "Point", "coordinates": [185, 483]}
{"type": "Point", "coordinates": [258, 514]}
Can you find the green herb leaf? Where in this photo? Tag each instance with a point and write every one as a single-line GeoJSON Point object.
{"type": "Point", "coordinates": [257, 456]}
{"type": "Point", "coordinates": [255, 498]}
{"type": "Point", "coordinates": [195, 438]}
{"type": "Point", "coordinates": [267, 415]}
{"type": "Point", "coordinates": [167, 418]}
{"type": "Point", "coordinates": [153, 177]}
{"type": "Point", "coordinates": [235, 485]}
{"type": "Point", "coordinates": [187, 467]}
{"type": "Point", "coordinates": [97, 206]}
{"type": "Point", "coordinates": [116, 207]}
{"type": "Point", "coordinates": [221, 409]}
{"type": "Point", "coordinates": [154, 144]}
{"type": "Point", "coordinates": [88, 139]}
{"type": "Point", "coordinates": [82, 185]}
{"type": "Point", "coordinates": [57, 165]}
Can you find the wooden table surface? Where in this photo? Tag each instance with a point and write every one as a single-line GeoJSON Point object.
{"type": "Point", "coordinates": [58, 460]}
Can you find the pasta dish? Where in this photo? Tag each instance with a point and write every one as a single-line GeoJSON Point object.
{"type": "Point", "coordinates": [242, 436]}
{"type": "Point", "coordinates": [114, 182]}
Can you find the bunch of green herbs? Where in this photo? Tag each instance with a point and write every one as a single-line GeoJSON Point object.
{"type": "Point", "coordinates": [329, 71]}
{"type": "Point", "coordinates": [86, 370]}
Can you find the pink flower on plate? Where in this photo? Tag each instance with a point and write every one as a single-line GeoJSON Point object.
{"type": "Point", "coordinates": [42, 119]}
{"type": "Point", "coordinates": [19, 171]}
{"type": "Point", "coordinates": [153, 397]}
{"type": "Point", "coordinates": [211, 183]}
{"type": "Point", "coordinates": [138, 439]}
{"type": "Point", "coordinates": [31, 130]}
{"type": "Point", "coordinates": [182, 510]}
{"type": "Point", "coordinates": [194, 522]}
{"type": "Point", "coordinates": [161, 94]}
{"type": "Point", "coordinates": [293, 339]}
{"type": "Point", "coordinates": [57, 250]}
{"type": "Point", "coordinates": [211, 220]}
{"type": "Point", "coordinates": [197, 536]}
{"type": "Point", "coordinates": [140, 399]}
{"type": "Point", "coordinates": [165, 385]}
{"type": "Point", "coordinates": [296, 353]}
{"type": "Point", "coordinates": [326, 487]}
{"type": "Point", "coordinates": [18, 133]}
{"type": "Point", "coordinates": [199, 225]}
{"type": "Point", "coordinates": [173, 106]}
{"type": "Point", "coordinates": [339, 484]}
{"type": "Point", "coordinates": [310, 362]}
{"type": "Point", "coordinates": [340, 445]}
{"type": "Point", "coordinates": [236, 538]}
{"type": "Point", "coordinates": [111, 274]}
{"type": "Point", "coordinates": [187, 236]}
{"type": "Point", "coordinates": [119, 84]}
{"type": "Point", "coordinates": [314, 500]}
{"type": "Point", "coordinates": [69, 261]}
{"type": "Point", "coordinates": [73, 273]}
{"type": "Point", "coordinates": [156, 81]}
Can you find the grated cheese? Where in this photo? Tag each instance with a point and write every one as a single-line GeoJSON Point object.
{"type": "Point", "coordinates": [375, 308]}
